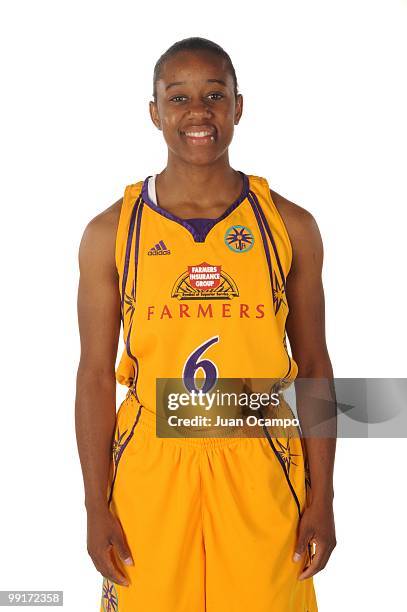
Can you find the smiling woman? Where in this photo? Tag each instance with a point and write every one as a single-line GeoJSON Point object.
{"type": "Point", "coordinates": [196, 102]}
{"type": "Point", "coordinates": [238, 512]}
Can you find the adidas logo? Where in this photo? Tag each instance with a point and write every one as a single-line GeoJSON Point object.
{"type": "Point", "coordinates": [159, 249]}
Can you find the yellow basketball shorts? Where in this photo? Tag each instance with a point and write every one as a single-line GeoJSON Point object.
{"type": "Point", "coordinates": [211, 523]}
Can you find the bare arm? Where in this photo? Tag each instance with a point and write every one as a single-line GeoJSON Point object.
{"type": "Point", "coordinates": [95, 407]}
{"type": "Point", "coordinates": [306, 332]}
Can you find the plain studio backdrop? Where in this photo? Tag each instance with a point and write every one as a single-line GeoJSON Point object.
{"type": "Point", "coordinates": [324, 121]}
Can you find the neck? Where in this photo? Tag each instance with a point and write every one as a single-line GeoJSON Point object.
{"type": "Point", "coordinates": [200, 184]}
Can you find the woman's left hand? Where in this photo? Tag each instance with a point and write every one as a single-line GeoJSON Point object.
{"type": "Point", "coordinates": [316, 526]}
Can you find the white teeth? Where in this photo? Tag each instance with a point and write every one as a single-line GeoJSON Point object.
{"type": "Point", "coordinates": [198, 134]}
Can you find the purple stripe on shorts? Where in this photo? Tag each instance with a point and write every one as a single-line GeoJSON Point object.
{"type": "Point", "coordinates": [283, 466]}
{"type": "Point", "coordinates": [125, 443]}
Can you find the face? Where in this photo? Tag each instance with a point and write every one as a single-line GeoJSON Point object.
{"type": "Point", "coordinates": [196, 107]}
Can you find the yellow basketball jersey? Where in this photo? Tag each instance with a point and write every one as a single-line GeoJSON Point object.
{"type": "Point", "coordinates": [210, 301]}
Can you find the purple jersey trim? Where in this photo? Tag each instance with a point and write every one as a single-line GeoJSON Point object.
{"type": "Point", "coordinates": [136, 246]}
{"type": "Point", "coordinates": [270, 235]}
{"type": "Point", "coordinates": [134, 223]}
{"type": "Point", "coordinates": [136, 253]}
{"type": "Point", "coordinates": [198, 236]}
{"type": "Point", "coordinates": [289, 362]}
{"type": "Point", "coordinates": [201, 226]}
{"type": "Point", "coordinates": [264, 238]}
{"type": "Point", "coordinates": [128, 249]}
{"type": "Point", "coordinates": [262, 222]}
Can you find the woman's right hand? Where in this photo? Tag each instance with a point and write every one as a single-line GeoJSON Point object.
{"type": "Point", "coordinates": [106, 543]}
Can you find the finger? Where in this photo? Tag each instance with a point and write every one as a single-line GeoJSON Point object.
{"type": "Point", "coordinates": [303, 540]}
{"type": "Point", "coordinates": [113, 578]}
{"type": "Point", "coordinates": [109, 571]}
{"type": "Point", "coordinates": [106, 567]}
{"type": "Point", "coordinates": [318, 561]}
{"type": "Point", "coordinates": [122, 549]}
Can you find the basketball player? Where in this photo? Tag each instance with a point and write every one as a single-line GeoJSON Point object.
{"type": "Point", "coordinates": [200, 263]}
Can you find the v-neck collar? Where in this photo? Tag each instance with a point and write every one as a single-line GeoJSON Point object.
{"type": "Point", "coordinates": [197, 236]}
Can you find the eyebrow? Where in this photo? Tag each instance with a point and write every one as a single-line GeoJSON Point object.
{"type": "Point", "coordinates": [220, 81]}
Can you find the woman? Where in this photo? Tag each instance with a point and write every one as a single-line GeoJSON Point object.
{"type": "Point", "coordinates": [195, 263]}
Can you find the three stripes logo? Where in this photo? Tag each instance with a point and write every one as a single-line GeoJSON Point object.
{"type": "Point", "coordinates": [159, 249]}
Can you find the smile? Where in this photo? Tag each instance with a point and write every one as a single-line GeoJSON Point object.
{"type": "Point", "coordinates": [200, 134]}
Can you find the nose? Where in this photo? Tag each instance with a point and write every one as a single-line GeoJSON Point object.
{"type": "Point", "coordinates": [198, 108]}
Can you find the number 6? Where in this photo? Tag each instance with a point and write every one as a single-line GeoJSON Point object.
{"type": "Point", "coordinates": [193, 364]}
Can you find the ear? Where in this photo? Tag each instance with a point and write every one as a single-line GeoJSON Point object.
{"type": "Point", "coordinates": [238, 108]}
{"type": "Point", "coordinates": [155, 118]}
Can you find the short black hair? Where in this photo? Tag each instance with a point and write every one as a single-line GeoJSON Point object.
{"type": "Point", "coordinates": [195, 43]}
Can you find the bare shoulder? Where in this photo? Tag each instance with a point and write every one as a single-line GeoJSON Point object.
{"type": "Point", "coordinates": [301, 225]}
{"type": "Point", "coordinates": [99, 237]}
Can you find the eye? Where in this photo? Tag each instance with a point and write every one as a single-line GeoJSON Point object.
{"type": "Point", "coordinates": [216, 96]}
{"type": "Point", "coordinates": [178, 98]}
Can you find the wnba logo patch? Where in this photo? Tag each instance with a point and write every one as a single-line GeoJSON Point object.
{"type": "Point", "coordinates": [239, 238]}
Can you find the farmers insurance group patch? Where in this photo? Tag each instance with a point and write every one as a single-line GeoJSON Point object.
{"type": "Point", "coordinates": [204, 281]}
